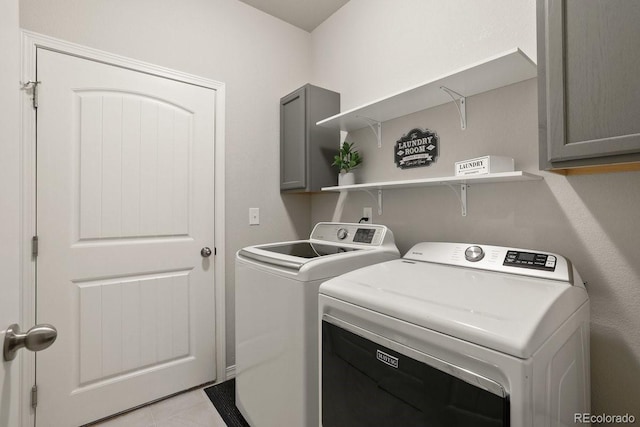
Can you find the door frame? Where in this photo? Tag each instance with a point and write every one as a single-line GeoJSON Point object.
{"type": "Point", "coordinates": [30, 43]}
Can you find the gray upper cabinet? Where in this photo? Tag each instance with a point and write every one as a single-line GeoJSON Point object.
{"type": "Point", "coordinates": [307, 150]}
{"type": "Point", "coordinates": [588, 84]}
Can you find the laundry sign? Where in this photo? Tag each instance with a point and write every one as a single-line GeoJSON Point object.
{"type": "Point", "coordinates": [416, 149]}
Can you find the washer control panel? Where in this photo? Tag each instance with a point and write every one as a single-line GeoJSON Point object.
{"type": "Point", "coordinates": [349, 233]}
{"type": "Point", "coordinates": [533, 260]}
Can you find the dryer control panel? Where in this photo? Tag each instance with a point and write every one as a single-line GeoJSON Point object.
{"type": "Point", "coordinates": [523, 262]}
{"type": "Point", "coordinates": [538, 261]}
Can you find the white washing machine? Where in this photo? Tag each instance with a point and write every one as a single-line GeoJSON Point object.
{"type": "Point", "coordinates": [456, 335]}
{"type": "Point", "coordinates": [277, 317]}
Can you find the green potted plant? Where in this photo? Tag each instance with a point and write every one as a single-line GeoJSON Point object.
{"type": "Point", "coordinates": [346, 160]}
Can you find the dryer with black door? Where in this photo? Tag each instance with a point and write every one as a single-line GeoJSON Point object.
{"type": "Point", "coordinates": [277, 317]}
{"type": "Point", "coordinates": [456, 335]}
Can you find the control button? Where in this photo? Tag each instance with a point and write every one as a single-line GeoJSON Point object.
{"type": "Point", "coordinates": [342, 233]}
{"type": "Point", "coordinates": [474, 253]}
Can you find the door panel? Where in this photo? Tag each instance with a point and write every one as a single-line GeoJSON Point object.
{"type": "Point", "coordinates": [134, 176]}
{"type": "Point", "coordinates": [125, 202]}
{"type": "Point", "coordinates": [135, 315]}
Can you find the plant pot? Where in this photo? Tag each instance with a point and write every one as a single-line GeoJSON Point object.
{"type": "Point", "coordinates": [346, 178]}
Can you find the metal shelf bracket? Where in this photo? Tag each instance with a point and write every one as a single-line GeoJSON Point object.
{"type": "Point", "coordinates": [462, 197]}
{"type": "Point", "coordinates": [377, 200]}
{"type": "Point", "coordinates": [460, 105]}
{"type": "Point", "coordinates": [377, 130]}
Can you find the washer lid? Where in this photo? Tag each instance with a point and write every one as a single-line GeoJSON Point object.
{"type": "Point", "coordinates": [306, 249]}
{"type": "Point", "coordinates": [333, 248]}
{"type": "Point", "coordinates": [293, 255]}
{"type": "Point", "coordinates": [510, 313]}
{"type": "Point", "coordinates": [331, 261]}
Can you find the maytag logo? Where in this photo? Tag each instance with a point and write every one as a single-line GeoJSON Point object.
{"type": "Point", "coordinates": [387, 359]}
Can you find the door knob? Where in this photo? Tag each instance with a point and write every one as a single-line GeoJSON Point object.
{"type": "Point", "coordinates": [205, 252]}
{"type": "Point", "coordinates": [35, 339]}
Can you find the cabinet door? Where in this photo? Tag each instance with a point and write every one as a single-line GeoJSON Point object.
{"type": "Point", "coordinates": [590, 57]}
{"type": "Point", "coordinates": [293, 141]}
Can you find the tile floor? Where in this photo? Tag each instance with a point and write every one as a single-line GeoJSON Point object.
{"type": "Point", "coordinates": [190, 409]}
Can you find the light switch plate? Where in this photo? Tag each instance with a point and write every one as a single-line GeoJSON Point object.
{"type": "Point", "coordinates": [254, 216]}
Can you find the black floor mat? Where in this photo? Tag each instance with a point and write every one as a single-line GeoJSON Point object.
{"type": "Point", "coordinates": [223, 397]}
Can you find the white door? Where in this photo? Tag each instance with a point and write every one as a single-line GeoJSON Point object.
{"type": "Point", "coordinates": [124, 207]}
{"type": "Point", "coordinates": [9, 208]}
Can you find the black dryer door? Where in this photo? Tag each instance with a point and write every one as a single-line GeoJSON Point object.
{"type": "Point", "coordinates": [366, 384]}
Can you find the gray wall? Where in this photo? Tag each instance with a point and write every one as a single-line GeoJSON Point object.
{"type": "Point", "coordinates": [592, 220]}
{"type": "Point", "coordinates": [260, 59]}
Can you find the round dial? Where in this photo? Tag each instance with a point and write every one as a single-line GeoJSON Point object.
{"type": "Point", "coordinates": [342, 233]}
{"type": "Point", "coordinates": [474, 253]}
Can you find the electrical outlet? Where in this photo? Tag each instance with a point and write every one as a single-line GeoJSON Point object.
{"type": "Point", "coordinates": [254, 216]}
{"type": "Point", "coordinates": [368, 213]}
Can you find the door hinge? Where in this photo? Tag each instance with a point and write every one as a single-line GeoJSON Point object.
{"type": "Point", "coordinates": [34, 246]}
{"type": "Point", "coordinates": [34, 396]}
{"type": "Point", "coordinates": [32, 87]}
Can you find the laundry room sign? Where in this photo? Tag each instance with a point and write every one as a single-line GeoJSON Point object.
{"type": "Point", "coordinates": [416, 149]}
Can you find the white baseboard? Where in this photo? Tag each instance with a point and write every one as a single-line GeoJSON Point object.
{"type": "Point", "coordinates": [230, 372]}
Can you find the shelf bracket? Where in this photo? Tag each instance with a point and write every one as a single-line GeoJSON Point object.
{"type": "Point", "coordinates": [377, 130]}
{"type": "Point", "coordinates": [462, 196]}
{"type": "Point", "coordinates": [460, 105]}
{"type": "Point", "coordinates": [377, 200]}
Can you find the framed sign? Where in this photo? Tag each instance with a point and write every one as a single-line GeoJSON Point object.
{"type": "Point", "coordinates": [416, 149]}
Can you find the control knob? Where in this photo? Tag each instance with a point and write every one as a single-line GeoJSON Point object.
{"type": "Point", "coordinates": [342, 233]}
{"type": "Point", "coordinates": [474, 253]}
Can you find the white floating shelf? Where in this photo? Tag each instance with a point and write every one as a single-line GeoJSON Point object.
{"type": "Point", "coordinates": [431, 182]}
{"type": "Point", "coordinates": [463, 181]}
{"type": "Point", "coordinates": [502, 70]}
